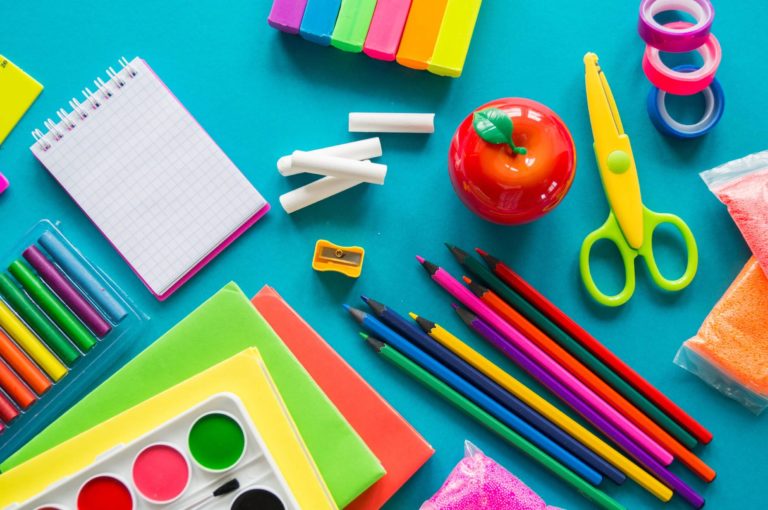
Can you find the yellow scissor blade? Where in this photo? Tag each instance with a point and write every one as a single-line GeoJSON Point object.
{"type": "Point", "coordinates": [614, 154]}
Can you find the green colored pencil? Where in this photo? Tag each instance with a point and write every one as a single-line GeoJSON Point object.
{"type": "Point", "coordinates": [597, 496]}
{"type": "Point", "coordinates": [52, 305]}
{"type": "Point", "coordinates": [531, 313]}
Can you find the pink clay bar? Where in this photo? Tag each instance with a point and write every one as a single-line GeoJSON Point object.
{"type": "Point", "coordinates": [479, 483]}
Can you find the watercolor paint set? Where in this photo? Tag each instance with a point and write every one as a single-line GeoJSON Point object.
{"type": "Point", "coordinates": [211, 456]}
{"type": "Point", "coordinates": [63, 324]}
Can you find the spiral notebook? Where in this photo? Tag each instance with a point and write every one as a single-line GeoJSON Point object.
{"type": "Point", "coordinates": [149, 176]}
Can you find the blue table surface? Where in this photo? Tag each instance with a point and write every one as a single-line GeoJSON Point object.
{"type": "Point", "coordinates": [262, 94]}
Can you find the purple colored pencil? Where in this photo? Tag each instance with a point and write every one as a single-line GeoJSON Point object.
{"type": "Point", "coordinates": [51, 275]}
{"type": "Point", "coordinates": [286, 15]}
{"type": "Point", "coordinates": [488, 333]}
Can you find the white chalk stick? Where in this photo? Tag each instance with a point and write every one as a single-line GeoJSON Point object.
{"type": "Point", "coordinates": [359, 150]}
{"type": "Point", "coordinates": [320, 164]}
{"type": "Point", "coordinates": [315, 192]}
{"type": "Point", "coordinates": [392, 122]}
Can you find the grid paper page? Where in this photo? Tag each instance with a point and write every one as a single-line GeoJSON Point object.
{"type": "Point", "coordinates": [151, 179]}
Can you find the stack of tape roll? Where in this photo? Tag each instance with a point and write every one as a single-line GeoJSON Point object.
{"type": "Point", "coordinates": [347, 165]}
{"type": "Point", "coordinates": [683, 80]}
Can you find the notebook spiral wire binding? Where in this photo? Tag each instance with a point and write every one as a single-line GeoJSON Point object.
{"type": "Point", "coordinates": [80, 111]}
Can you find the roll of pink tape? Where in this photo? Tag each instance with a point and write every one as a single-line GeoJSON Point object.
{"type": "Point", "coordinates": [668, 37]}
{"type": "Point", "coordinates": [679, 82]}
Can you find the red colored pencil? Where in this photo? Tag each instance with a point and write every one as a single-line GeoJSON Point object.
{"type": "Point", "coordinates": [567, 324]}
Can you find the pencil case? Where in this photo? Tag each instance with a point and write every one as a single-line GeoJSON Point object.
{"type": "Point", "coordinates": [730, 350]}
{"type": "Point", "coordinates": [64, 325]}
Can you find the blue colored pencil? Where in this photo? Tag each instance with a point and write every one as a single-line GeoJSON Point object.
{"type": "Point", "coordinates": [475, 395]}
{"type": "Point", "coordinates": [416, 335]}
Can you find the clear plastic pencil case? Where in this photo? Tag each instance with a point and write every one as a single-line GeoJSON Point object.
{"type": "Point", "coordinates": [211, 456]}
{"type": "Point", "coordinates": [63, 325]}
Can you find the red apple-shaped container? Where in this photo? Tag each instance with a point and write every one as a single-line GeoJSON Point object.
{"type": "Point", "coordinates": [512, 161]}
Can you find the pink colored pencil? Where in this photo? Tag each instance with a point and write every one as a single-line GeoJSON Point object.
{"type": "Point", "coordinates": [386, 29]}
{"type": "Point", "coordinates": [458, 291]}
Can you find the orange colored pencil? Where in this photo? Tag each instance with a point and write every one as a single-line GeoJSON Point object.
{"type": "Point", "coordinates": [19, 362]}
{"type": "Point", "coordinates": [575, 367]}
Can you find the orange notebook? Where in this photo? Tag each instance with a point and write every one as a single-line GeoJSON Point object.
{"type": "Point", "coordinates": [402, 451]}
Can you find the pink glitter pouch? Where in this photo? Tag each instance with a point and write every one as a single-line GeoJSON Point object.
{"type": "Point", "coordinates": [742, 185]}
{"type": "Point", "coordinates": [480, 483]}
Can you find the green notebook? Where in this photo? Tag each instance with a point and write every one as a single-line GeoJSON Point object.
{"type": "Point", "coordinates": [223, 326]}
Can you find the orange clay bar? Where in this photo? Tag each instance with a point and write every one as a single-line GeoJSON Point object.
{"type": "Point", "coordinates": [730, 351]}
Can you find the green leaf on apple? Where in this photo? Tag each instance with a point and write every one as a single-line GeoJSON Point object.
{"type": "Point", "coordinates": [495, 127]}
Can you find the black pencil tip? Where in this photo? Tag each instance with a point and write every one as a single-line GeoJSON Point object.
{"type": "Point", "coordinates": [458, 253]}
{"type": "Point", "coordinates": [364, 298]}
{"type": "Point", "coordinates": [490, 260]}
{"type": "Point", "coordinates": [428, 266]}
{"type": "Point", "coordinates": [378, 308]}
{"type": "Point", "coordinates": [465, 315]}
{"type": "Point", "coordinates": [477, 289]}
{"type": "Point", "coordinates": [356, 314]}
{"type": "Point", "coordinates": [374, 342]}
{"type": "Point", "coordinates": [425, 324]}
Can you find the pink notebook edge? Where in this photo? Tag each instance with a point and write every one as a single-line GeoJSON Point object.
{"type": "Point", "coordinates": [374, 491]}
{"type": "Point", "coordinates": [213, 253]}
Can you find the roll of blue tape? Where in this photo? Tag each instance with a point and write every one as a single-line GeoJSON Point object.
{"type": "Point", "coordinates": [714, 105]}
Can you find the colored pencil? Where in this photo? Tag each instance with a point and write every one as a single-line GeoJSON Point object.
{"type": "Point", "coordinates": [52, 306]}
{"type": "Point", "coordinates": [67, 292]}
{"type": "Point", "coordinates": [487, 332]}
{"type": "Point", "coordinates": [37, 321]}
{"type": "Point", "coordinates": [599, 377]}
{"type": "Point", "coordinates": [475, 395]}
{"type": "Point", "coordinates": [410, 331]}
{"type": "Point", "coordinates": [19, 362]}
{"type": "Point", "coordinates": [522, 287]}
{"type": "Point", "coordinates": [566, 360]}
{"type": "Point", "coordinates": [655, 432]}
{"type": "Point", "coordinates": [15, 388]}
{"type": "Point", "coordinates": [7, 411]}
{"type": "Point", "coordinates": [471, 356]}
{"type": "Point", "coordinates": [597, 496]}
{"type": "Point", "coordinates": [30, 344]}
{"type": "Point", "coordinates": [465, 297]}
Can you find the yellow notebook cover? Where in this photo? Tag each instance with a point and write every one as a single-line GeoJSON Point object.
{"type": "Point", "coordinates": [18, 91]}
{"type": "Point", "coordinates": [244, 375]}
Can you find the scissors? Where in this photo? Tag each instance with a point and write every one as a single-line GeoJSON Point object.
{"type": "Point", "coordinates": [630, 225]}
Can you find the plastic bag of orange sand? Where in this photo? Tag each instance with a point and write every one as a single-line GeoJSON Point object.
{"type": "Point", "coordinates": [730, 351]}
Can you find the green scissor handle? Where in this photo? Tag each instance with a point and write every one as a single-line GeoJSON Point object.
{"type": "Point", "coordinates": [611, 231]}
{"type": "Point", "coordinates": [651, 220]}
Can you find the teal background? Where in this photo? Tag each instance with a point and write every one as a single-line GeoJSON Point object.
{"type": "Point", "coordinates": [261, 94]}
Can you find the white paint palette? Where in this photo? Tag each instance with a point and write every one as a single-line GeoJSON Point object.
{"type": "Point", "coordinates": [211, 448]}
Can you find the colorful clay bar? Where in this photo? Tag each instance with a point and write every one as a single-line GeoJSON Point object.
{"type": "Point", "coordinates": [432, 35]}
